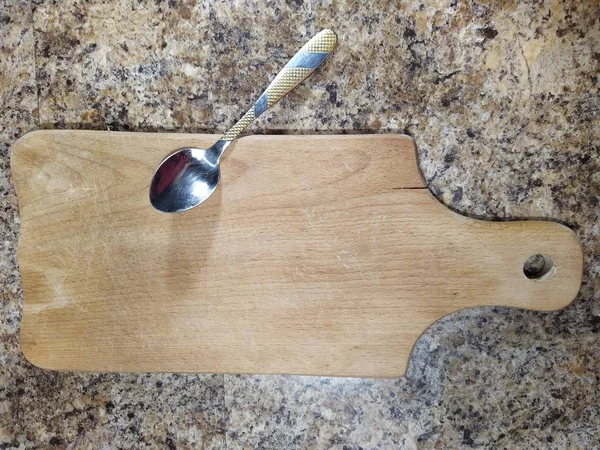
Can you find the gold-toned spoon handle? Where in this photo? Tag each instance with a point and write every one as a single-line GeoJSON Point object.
{"type": "Point", "coordinates": [295, 71]}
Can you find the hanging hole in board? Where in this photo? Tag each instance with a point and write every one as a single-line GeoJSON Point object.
{"type": "Point", "coordinates": [539, 267]}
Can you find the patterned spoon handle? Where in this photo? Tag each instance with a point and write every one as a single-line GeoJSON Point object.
{"type": "Point", "coordinates": [295, 71]}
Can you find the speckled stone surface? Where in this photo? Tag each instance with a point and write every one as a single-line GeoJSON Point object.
{"type": "Point", "coordinates": [503, 101]}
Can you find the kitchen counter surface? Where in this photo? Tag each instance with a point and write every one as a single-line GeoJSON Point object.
{"type": "Point", "coordinates": [503, 103]}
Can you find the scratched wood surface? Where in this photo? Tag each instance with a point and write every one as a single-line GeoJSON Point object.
{"type": "Point", "coordinates": [317, 255]}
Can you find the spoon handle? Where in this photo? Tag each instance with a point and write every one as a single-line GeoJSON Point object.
{"type": "Point", "coordinates": [295, 71]}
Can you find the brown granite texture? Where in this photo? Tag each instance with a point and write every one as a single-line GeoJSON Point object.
{"type": "Point", "coordinates": [502, 98]}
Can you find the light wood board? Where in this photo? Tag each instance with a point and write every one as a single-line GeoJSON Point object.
{"type": "Point", "coordinates": [319, 255]}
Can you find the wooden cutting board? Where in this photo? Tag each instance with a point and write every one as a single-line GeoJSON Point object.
{"type": "Point", "coordinates": [319, 255]}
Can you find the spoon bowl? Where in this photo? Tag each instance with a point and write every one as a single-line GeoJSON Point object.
{"type": "Point", "coordinates": [186, 178]}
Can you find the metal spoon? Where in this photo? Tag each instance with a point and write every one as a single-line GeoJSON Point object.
{"type": "Point", "coordinates": [189, 176]}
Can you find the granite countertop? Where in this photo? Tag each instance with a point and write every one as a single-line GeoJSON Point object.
{"type": "Point", "coordinates": [502, 99]}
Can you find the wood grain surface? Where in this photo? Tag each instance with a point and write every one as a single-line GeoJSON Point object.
{"type": "Point", "coordinates": [319, 255]}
